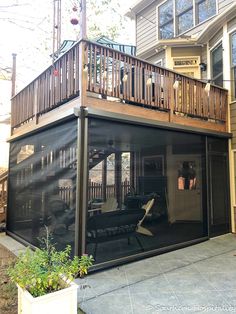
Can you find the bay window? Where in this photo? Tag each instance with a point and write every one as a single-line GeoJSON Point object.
{"type": "Point", "coordinates": [233, 63]}
{"type": "Point", "coordinates": [177, 16]}
{"type": "Point", "coordinates": [166, 20]}
{"type": "Point", "coordinates": [217, 65]}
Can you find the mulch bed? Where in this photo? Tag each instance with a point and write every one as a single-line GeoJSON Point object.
{"type": "Point", "coordinates": [8, 290]}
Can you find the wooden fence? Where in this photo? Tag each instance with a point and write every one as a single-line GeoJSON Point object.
{"type": "Point", "coordinates": [96, 190]}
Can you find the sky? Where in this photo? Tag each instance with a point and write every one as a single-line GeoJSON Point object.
{"type": "Point", "coordinates": [26, 29]}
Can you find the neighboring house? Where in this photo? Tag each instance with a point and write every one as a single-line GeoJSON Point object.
{"type": "Point", "coordinates": [196, 38]}
{"type": "Point", "coordinates": [121, 158]}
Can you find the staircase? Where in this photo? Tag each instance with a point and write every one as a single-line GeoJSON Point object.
{"type": "Point", "coordinates": [96, 156]}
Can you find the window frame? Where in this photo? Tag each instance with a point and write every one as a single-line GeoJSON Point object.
{"type": "Point", "coordinates": [232, 67]}
{"type": "Point", "coordinates": [217, 45]}
{"type": "Point", "coordinates": [195, 9]}
{"type": "Point", "coordinates": [166, 23]}
{"type": "Point", "coordinates": [178, 15]}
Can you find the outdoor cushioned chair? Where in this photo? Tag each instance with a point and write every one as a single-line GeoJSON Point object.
{"type": "Point", "coordinates": [110, 205]}
{"type": "Point", "coordinates": [114, 225]}
{"type": "Point", "coordinates": [60, 218]}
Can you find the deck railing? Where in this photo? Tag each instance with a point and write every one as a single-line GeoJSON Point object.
{"type": "Point", "coordinates": [112, 73]}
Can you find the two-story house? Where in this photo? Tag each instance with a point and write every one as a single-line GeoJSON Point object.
{"type": "Point", "coordinates": [120, 157]}
{"type": "Point", "coordinates": [196, 38]}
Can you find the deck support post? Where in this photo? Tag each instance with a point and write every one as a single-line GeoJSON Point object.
{"type": "Point", "coordinates": [81, 182]}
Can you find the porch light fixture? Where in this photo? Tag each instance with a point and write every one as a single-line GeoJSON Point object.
{"type": "Point", "coordinates": [176, 83]}
{"type": "Point", "coordinates": [125, 77]}
{"type": "Point", "coordinates": [203, 66]}
{"type": "Point", "coordinates": [208, 87]}
{"type": "Point", "coordinates": [149, 81]}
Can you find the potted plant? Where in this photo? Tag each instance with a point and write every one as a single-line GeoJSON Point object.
{"type": "Point", "coordinates": [45, 279]}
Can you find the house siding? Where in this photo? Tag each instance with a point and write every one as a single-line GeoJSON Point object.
{"type": "Point", "coordinates": [223, 4]}
{"type": "Point", "coordinates": [231, 25]}
{"type": "Point", "coordinates": [146, 25]}
{"type": "Point", "coordinates": [218, 36]}
{"type": "Point", "coordinates": [233, 123]}
{"type": "Point", "coordinates": [146, 33]}
{"type": "Point", "coordinates": [158, 56]}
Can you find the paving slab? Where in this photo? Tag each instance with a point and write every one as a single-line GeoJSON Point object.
{"type": "Point", "coordinates": [196, 279]}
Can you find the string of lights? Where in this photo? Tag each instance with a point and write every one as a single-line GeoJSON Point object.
{"type": "Point", "coordinates": [150, 78]}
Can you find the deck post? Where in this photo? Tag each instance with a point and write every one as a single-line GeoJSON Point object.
{"type": "Point", "coordinates": [81, 182]}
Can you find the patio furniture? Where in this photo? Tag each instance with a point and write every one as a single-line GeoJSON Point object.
{"type": "Point", "coordinates": [147, 207]}
{"type": "Point", "coordinates": [114, 225]}
{"type": "Point", "coordinates": [110, 205]}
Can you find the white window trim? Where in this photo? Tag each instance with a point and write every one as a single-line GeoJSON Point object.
{"type": "Point", "coordinates": [174, 18]}
{"type": "Point", "coordinates": [233, 97]}
{"type": "Point", "coordinates": [159, 61]}
{"type": "Point", "coordinates": [220, 41]}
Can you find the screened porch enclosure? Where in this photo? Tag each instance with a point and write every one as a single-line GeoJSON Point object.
{"type": "Point", "coordinates": [42, 183]}
{"type": "Point", "coordinates": [146, 187]}
{"type": "Point", "coordinates": [149, 189]}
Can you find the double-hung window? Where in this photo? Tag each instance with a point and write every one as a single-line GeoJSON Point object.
{"type": "Point", "coordinates": [184, 15]}
{"type": "Point", "coordinates": [217, 65]}
{"type": "Point", "coordinates": [166, 20]}
{"type": "Point", "coordinates": [205, 9]}
{"type": "Point", "coordinates": [177, 16]}
{"type": "Point", "coordinates": [233, 63]}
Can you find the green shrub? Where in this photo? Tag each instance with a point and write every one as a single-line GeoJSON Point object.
{"type": "Point", "coordinates": [42, 271]}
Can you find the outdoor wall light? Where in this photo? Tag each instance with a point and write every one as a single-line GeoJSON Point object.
{"type": "Point", "coordinates": [203, 66]}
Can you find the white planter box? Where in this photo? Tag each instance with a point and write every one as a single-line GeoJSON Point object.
{"type": "Point", "coordinates": [59, 302]}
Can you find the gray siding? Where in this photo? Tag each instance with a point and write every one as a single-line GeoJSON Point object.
{"type": "Point", "coordinates": [146, 33]}
{"type": "Point", "coordinates": [157, 57]}
{"type": "Point", "coordinates": [223, 4]}
{"type": "Point", "coordinates": [231, 25]}
{"type": "Point", "coordinates": [198, 28]}
{"type": "Point", "coordinates": [216, 38]}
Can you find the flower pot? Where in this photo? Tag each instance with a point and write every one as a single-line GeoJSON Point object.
{"type": "Point", "coordinates": [60, 302]}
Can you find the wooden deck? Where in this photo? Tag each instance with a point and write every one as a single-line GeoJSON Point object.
{"type": "Point", "coordinates": [104, 78]}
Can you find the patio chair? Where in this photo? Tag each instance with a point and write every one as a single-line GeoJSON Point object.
{"type": "Point", "coordinates": [147, 207]}
{"type": "Point", "coordinates": [113, 225]}
{"type": "Point", "coordinates": [110, 205]}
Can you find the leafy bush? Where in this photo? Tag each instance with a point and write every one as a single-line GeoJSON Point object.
{"type": "Point", "coordinates": [44, 271]}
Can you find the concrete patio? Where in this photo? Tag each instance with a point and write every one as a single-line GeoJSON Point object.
{"type": "Point", "coordinates": [196, 279]}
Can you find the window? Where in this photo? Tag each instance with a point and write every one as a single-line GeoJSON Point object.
{"type": "Point", "coordinates": [217, 65]}
{"type": "Point", "coordinates": [177, 16]}
{"type": "Point", "coordinates": [184, 15]}
{"type": "Point", "coordinates": [233, 63]}
{"type": "Point", "coordinates": [205, 9]}
{"type": "Point", "coordinates": [166, 20]}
